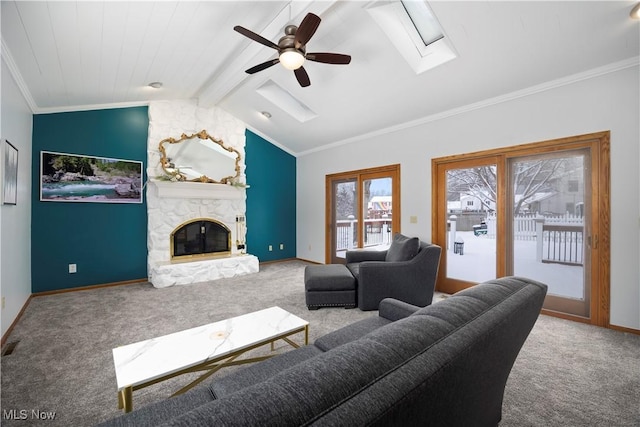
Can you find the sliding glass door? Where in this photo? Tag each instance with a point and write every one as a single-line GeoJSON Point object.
{"type": "Point", "coordinates": [538, 210]}
{"type": "Point", "coordinates": [469, 226]}
{"type": "Point", "coordinates": [550, 209]}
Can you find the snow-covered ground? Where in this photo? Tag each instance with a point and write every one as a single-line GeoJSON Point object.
{"type": "Point", "coordinates": [478, 264]}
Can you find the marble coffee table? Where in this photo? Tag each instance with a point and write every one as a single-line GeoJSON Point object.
{"type": "Point", "coordinates": [204, 348]}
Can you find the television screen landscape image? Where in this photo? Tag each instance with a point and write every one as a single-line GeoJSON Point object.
{"type": "Point", "coordinates": [76, 178]}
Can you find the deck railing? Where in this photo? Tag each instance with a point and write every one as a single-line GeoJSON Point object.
{"type": "Point", "coordinates": [377, 232]}
{"type": "Point", "coordinates": [562, 244]}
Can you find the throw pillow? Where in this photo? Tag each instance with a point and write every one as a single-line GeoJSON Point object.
{"type": "Point", "coordinates": [402, 248]}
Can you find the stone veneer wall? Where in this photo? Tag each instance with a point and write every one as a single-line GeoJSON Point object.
{"type": "Point", "coordinates": [172, 119]}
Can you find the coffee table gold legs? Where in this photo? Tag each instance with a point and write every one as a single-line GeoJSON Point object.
{"type": "Point", "coordinates": [125, 399]}
{"type": "Point", "coordinates": [125, 396]}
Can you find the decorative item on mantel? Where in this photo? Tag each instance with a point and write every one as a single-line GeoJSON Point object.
{"type": "Point", "coordinates": [205, 159]}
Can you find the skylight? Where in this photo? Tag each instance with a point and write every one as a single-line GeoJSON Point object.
{"type": "Point", "coordinates": [423, 20]}
{"type": "Point", "coordinates": [415, 31]}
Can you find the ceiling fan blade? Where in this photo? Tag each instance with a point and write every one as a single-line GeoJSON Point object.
{"type": "Point", "coordinates": [306, 30]}
{"type": "Point", "coordinates": [302, 76]}
{"type": "Point", "coordinates": [262, 66]}
{"type": "Point", "coordinates": [329, 58]}
{"type": "Point", "coordinates": [255, 37]}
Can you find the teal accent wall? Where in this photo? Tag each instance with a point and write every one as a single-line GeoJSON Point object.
{"type": "Point", "coordinates": [271, 199]}
{"type": "Point", "coordinates": [107, 241]}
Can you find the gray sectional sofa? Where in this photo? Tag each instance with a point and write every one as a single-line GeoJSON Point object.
{"type": "Point", "coordinates": [442, 365]}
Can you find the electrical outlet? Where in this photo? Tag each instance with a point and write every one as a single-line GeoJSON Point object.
{"type": "Point", "coordinates": [3, 303]}
{"type": "Point", "coordinates": [281, 246]}
{"type": "Point", "coordinates": [413, 219]}
{"type": "Point", "coordinates": [73, 268]}
{"type": "Point", "coordinates": [270, 248]}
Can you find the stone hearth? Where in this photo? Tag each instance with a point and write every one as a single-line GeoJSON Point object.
{"type": "Point", "coordinates": [169, 274]}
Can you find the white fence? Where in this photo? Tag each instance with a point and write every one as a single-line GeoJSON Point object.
{"type": "Point", "coordinates": [559, 239]}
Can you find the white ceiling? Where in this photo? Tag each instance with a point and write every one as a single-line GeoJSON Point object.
{"type": "Point", "coordinates": [79, 55]}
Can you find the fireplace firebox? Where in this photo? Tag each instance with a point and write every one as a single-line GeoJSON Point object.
{"type": "Point", "coordinates": [201, 238]}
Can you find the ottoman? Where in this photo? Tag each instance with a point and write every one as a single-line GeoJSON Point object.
{"type": "Point", "coordinates": [330, 285]}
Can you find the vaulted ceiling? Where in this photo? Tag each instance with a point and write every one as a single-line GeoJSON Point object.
{"type": "Point", "coordinates": [83, 55]}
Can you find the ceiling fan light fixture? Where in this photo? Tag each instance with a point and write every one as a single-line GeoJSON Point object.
{"type": "Point", "coordinates": [291, 59]}
{"type": "Point", "coordinates": [292, 51]}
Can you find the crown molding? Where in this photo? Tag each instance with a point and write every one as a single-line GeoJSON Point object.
{"type": "Point", "coordinates": [89, 107]}
{"type": "Point", "coordinates": [7, 57]}
{"type": "Point", "coordinates": [553, 84]}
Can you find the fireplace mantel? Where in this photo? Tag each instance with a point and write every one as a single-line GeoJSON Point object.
{"type": "Point", "coordinates": [197, 190]}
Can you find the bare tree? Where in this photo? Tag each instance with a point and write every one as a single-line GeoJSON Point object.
{"type": "Point", "coordinates": [479, 182]}
{"type": "Point", "coordinates": [345, 200]}
{"type": "Point", "coordinates": [529, 177]}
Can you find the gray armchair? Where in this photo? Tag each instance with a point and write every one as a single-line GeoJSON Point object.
{"type": "Point", "coordinates": [379, 274]}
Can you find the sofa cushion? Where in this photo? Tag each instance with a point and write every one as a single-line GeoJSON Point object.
{"type": "Point", "coordinates": [257, 372]}
{"type": "Point", "coordinates": [296, 395]}
{"type": "Point", "coordinates": [328, 277]}
{"type": "Point", "coordinates": [350, 333]}
{"type": "Point", "coordinates": [402, 248]}
{"type": "Point", "coordinates": [470, 302]}
{"type": "Point", "coordinates": [354, 268]}
{"type": "Point", "coordinates": [411, 335]}
{"type": "Point", "coordinates": [394, 309]}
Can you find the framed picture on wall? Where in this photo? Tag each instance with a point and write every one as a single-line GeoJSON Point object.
{"type": "Point", "coordinates": [76, 178]}
{"type": "Point", "coordinates": [10, 178]}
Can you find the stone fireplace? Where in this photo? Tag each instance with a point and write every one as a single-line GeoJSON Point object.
{"type": "Point", "coordinates": [178, 209]}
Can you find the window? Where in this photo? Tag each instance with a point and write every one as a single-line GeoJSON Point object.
{"type": "Point", "coordinates": [362, 209]}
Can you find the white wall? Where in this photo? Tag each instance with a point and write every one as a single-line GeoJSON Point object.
{"type": "Point", "coordinates": [606, 102]}
{"type": "Point", "coordinates": [16, 123]}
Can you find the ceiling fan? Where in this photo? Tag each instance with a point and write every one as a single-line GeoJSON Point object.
{"type": "Point", "coordinates": [292, 49]}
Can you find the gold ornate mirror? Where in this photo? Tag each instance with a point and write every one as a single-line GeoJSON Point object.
{"type": "Point", "coordinates": [199, 158]}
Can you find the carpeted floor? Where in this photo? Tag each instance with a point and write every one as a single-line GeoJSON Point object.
{"type": "Point", "coordinates": [566, 374]}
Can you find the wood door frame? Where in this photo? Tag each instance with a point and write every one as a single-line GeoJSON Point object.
{"type": "Point", "coordinates": [439, 234]}
{"type": "Point", "coordinates": [359, 176]}
{"type": "Point", "coordinates": [599, 144]}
